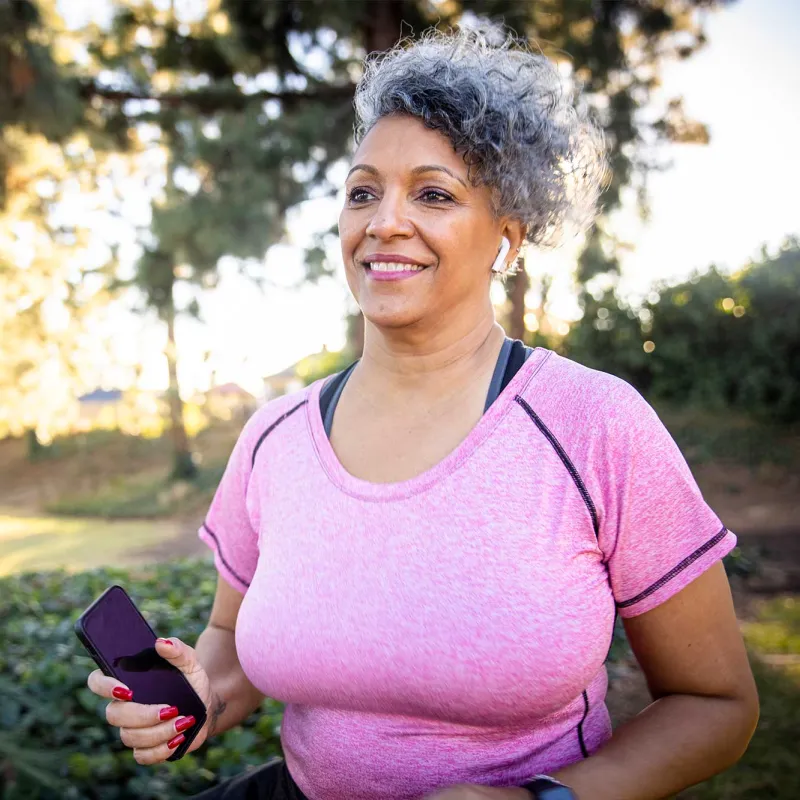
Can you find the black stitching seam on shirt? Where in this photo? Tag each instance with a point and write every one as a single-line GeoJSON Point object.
{"type": "Point", "coordinates": [271, 428]}
{"type": "Point", "coordinates": [718, 537]}
{"type": "Point", "coordinates": [222, 557]}
{"type": "Point", "coordinates": [581, 741]}
{"type": "Point", "coordinates": [253, 463]}
{"type": "Point", "coordinates": [565, 459]}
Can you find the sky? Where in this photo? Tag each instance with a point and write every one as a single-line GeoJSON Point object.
{"type": "Point", "coordinates": [716, 204]}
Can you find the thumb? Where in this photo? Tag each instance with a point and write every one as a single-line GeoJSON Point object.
{"type": "Point", "coordinates": [184, 658]}
{"type": "Point", "coordinates": [178, 654]}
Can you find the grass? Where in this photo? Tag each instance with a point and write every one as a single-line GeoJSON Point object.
{"type": "Point", "coordinates": [771, 765]}
{"type": "Point", "coordinates": [777, 627]}
{"type": "Point", "coordinates": [137, 496]}
{"type": "Point", "coordinates": [45, 543]}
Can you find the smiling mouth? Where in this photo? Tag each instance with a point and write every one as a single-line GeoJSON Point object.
{"type": "Point", "coordinates": [393, 266]}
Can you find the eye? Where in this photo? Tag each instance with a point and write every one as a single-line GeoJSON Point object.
{"type": "Point", "coordinates": [436, 196]}
{"type": "Point", "coordinates": [357, 195]}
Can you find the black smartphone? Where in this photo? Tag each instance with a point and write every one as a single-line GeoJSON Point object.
{"type": "Point", "coordinates": [122, 644]}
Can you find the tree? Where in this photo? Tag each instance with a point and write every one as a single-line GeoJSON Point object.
{"type": "Point", "coordinates": [249, 104]}
{"type": "Point", "coordinates": [615, 49]}
{"type": "Point", "coordinates": [46, 154]}
{"type": "Point", "coordinates": [715, 341]}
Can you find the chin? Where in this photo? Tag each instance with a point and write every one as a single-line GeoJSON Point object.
{"type": "Point", "coordinates": [383, 315]}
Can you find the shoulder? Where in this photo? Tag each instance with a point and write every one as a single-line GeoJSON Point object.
{"type": "Point", "coordinates": [565, 389]}
{"type": "Point", "coordinates": [272, 414]}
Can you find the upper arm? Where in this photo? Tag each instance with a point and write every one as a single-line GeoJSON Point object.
{"type": "Point", "coordinates": [225, 610]}
{"type": "Point", "coordinates": [691, 643]}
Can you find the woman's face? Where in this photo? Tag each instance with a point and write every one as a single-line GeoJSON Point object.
{"type": "Point", "coordinates": [407, 199]}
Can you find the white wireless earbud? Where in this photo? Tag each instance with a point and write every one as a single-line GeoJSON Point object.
{"type": "Point", "coordinates": [499, 263]}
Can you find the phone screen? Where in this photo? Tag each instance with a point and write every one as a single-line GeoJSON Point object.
{"type": "Point", "coordinates": [120, 640]}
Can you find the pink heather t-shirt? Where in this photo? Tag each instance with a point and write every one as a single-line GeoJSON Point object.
{"type": "Point", "coordinates": [453, 627]}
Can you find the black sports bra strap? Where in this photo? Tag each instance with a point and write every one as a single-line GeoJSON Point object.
{"type": "Point", "coordinates": [517, 357]}
{"type": "Point", "coordinates": [512, 356]}
{"type": "Point", "coordinates": [329, 396]}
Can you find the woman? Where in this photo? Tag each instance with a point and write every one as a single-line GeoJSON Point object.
{"type": "Point", "coordinates": [424, 557]}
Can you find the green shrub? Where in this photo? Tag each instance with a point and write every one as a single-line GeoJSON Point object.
{"type": "Point", "coordinates": [717, 341]}
{"type": "Point", "coordinates": [54, 740]}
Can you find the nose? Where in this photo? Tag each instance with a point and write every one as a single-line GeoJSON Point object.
{"type": "Point", "coordinates": [390, 219]}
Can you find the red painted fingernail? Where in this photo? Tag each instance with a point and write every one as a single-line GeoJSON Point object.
{"type": "Point", "coordinates": [183, 724]}
{"type": "Point", "coordinates": [166, 641]}
{"type": "Point", "coordinates": [121, 693]}
{"type": "Point", "coordinates": [168, 713]}
{"type": "Point", "coordinates": [173, 743]}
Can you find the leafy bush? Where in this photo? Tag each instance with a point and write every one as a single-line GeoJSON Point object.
{"type": "Point", "coordinates": [54, 740]}
{"type": "Point", "coordinates": [716, 341]}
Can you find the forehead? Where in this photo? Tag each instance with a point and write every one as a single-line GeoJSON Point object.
{"type": "Point", "coordinates": [402, 142]}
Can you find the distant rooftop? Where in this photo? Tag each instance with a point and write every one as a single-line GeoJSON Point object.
{"type": "Point", "coordinates": [229, 390]}
{"type": "Point", "coordinates": [101, 396]}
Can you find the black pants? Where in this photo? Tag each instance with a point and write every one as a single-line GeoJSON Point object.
{"type": "Point", "coordinates": [270, 782]}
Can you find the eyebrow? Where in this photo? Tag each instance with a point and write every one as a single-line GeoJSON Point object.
{"type": "Point", "coordinates": [416, 171]}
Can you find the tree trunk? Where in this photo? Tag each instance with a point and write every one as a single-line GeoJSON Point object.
{"type": "Point", "coordinates": [383, 23]}
{"type": "Point", "coordinates": [543, 329]}
{"type": "Point", "coordinates": [183, 466]}
{"type": "Point", "coordinates": [35, 449]}
{"type": "Point", "coordinates": [516, 288]}
{"type": "Point", "coordinates": [355, 335]}
{"type": "Point", "coordinates": [382, 29]}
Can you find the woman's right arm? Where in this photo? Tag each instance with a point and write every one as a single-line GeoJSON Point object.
{"type": "Point", "coordinates": [214, 672]}
{"type": "Point", "coordinates": [233, 697]}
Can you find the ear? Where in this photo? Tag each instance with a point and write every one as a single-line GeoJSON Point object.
{"type": "Point", "coordinates": [514, 231]}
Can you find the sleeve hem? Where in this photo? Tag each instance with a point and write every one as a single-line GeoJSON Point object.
{"type": "Point", "coordinates": [681, 575]}
{"type": "Point", "coordinates": [230, 575]}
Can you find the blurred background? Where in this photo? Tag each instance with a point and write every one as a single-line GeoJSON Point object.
{"type": "Point", "coordinates": [170, 180]}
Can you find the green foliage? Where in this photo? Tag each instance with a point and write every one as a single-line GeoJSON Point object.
{"type": "Point", "coordinates": [777, 628]}
{"type": "Point", "coordinates": [321, 365]}
{"type": "Point", "coordinates": [54, 741]}
{"type": "Point", "coordinates": [720, 342]}
{"type": "Point", "coordinates": [34, 93]}
{"type": "Point", "coordinates": [707, 436]}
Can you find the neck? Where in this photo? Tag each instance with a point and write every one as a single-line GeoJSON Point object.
{"type": "Point", "coordinates": [414, 359]}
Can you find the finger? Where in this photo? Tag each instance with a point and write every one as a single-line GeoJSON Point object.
{"type": "Point", "coordinates": [179, 654]}
{"type": "Point", "coordinates": [108, 687]}
{"type": "Point", "coordinates": [139, 715]}
{"type": "Point", "coordinates": [155, 755]}
{"type": "Point", "coordinates": [144, 738]}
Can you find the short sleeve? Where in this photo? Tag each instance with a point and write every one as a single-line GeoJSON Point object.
{"type": "Point", "coordinates": [656, 531]}
{"type": "Point", "coordinates": [228, 528]}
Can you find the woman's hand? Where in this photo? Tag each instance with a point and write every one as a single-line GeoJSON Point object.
{"type": "Point", "coordinates": [154, 731]}
{"type": "Point", "coordinates": [472, 792]}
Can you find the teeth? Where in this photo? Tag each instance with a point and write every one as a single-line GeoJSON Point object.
{"type": "Point", "coordinates": [390, 266]}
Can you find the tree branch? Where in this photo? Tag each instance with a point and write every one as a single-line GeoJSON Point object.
{"type": "Point", "coordinates": [211, 100]}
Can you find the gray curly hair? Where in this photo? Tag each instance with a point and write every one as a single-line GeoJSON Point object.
{"type": "Point", "coordinates": [506, 110]}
